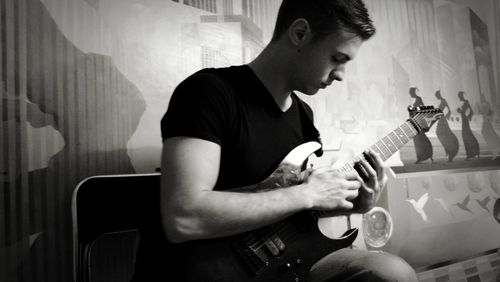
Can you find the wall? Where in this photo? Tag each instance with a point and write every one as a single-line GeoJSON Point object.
{"type": "Point", "coordinates": [68, 111]}
{"type": "Point", "coordinates": [84, 84]}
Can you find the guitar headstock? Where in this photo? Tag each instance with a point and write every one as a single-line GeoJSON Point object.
{"type": "Point", "coordinates": [423, 117]}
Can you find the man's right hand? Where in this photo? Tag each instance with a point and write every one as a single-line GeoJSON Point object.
{"type": "Point", "coordinates": [330, 190]}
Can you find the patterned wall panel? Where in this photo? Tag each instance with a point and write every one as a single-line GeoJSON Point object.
{"type": "Point", "coordinates": [66, 114]}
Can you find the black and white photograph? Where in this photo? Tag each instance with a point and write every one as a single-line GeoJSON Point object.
{"type": "Point", "coordinates": [249, 140]}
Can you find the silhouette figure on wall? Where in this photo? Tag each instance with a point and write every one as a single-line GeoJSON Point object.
{"type": "Point", "coordinates": [496, 214]}
{"type": "Point", "coordinates": [423, 146]}
{"type": "Point", "coordinates": [489, 134]}
{"type": "Point", "coordinates": [443, 131]}
{"type": "Point", "coordinates": [470, 142]}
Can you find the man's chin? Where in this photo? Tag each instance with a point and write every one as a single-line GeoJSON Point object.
{"type": "Point", "coordinates": [310, 91]}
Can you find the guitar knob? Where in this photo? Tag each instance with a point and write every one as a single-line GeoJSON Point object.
{"type": "Point", "coordinates": [286, 267]}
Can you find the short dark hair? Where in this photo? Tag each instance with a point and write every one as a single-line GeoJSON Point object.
{"type": "Point", "coordinates": [325, 17]}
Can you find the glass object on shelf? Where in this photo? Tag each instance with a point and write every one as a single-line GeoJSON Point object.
{"type": "Point", "coordinates": [377, 227]}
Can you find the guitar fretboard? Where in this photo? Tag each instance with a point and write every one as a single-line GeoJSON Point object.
{"type": "Point", "coordinates": [388, 145]}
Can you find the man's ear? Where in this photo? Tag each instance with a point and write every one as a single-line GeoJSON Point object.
{"type": "Point", "coordinates": [299, 32]}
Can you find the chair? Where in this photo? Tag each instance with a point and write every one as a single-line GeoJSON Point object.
{"type": "Point", "coordinates": [106, 213]}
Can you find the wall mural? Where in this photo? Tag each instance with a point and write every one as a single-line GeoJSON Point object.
{"type": "Point", "coordinates": [84, 84]}
{"type": "Point", "coordinates": [454, 215]}
{"type": "Point", "coordinates": [443, 57]}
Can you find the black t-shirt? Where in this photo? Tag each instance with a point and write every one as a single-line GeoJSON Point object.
{"type": "Point", "coordinates": [230, 107]}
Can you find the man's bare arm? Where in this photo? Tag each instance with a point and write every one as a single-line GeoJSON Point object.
{"type": "Point", "coordinates": [191, 209]}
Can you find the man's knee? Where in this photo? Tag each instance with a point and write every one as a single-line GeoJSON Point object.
{"type": "Point", "coordinates": [387, 267]}
{"type": "Point", "coordinates": [359, 265]}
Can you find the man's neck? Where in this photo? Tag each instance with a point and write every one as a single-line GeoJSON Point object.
{"type": "Point", "coordinates": [272, 70]}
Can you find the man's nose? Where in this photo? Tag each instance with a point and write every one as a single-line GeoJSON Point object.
{"type": "Point", "coordinates": [337, 74]}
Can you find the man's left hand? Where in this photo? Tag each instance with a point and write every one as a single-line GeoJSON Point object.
{"type": "Point", "coordinates": [371, 171]}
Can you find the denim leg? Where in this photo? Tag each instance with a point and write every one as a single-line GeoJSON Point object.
{"type": "Point", "coordinates": [352, 265]}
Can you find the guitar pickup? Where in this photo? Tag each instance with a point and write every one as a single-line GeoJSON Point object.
{"type": "Point", "coordinates": [277, 241]}
{"type": "Point", "coordinates": [275, 246]}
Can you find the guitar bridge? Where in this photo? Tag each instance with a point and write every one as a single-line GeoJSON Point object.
{"type": "Point", "coordinates": [255, 260]}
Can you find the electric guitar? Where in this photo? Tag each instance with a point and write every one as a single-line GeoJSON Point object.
{"type": "Point", "coordinates": [286, 250]}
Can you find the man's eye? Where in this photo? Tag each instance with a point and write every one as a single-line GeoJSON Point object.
{"type": "Point", "coordinates": [338, 59]}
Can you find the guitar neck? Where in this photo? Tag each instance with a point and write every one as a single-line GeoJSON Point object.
{"type": "Point", "coordinates": [389, 144]}
{"type": "Point", "coordinates": [385, 147]}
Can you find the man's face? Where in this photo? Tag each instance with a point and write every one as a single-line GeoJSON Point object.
{"type": "Point", "coordinates": [321, 62]}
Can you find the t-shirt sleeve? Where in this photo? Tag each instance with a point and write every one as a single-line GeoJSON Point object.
{"type": "Point", "coordinates": [198, 108]}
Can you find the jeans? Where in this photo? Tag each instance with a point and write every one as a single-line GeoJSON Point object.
{"type": "Point", "coordinates": [352, 265]}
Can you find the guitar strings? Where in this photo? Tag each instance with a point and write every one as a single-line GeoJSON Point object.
{"type": "Point", "coordinates": [281, 230]}
{"type": "Point", "coordinates": [284, 233]}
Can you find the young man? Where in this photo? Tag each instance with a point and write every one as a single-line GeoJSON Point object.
{"type": "Point", "coordinates": [231, 127]}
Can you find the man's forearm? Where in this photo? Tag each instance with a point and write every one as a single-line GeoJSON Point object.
{"type": "Point", "coordinates": [218, 213]}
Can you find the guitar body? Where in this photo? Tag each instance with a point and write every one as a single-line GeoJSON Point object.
{"type": "Point", "coordinates": [223, 260]}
